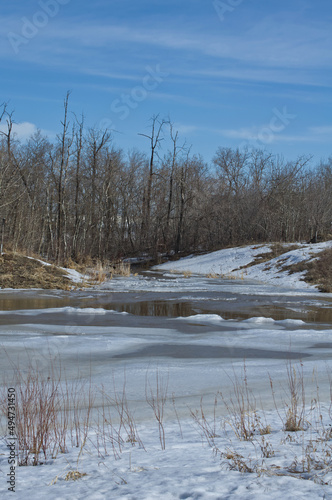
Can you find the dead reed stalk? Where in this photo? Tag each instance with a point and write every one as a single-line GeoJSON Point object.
{"type": "Point", "coordinates": [156, 398]}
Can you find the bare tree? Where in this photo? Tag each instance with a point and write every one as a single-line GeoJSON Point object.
{"type": "Point", "coordinates": [78, 165]}
{"type": "Point", "coordinates": [176, 151]}
{"type": "Point", "coordinates": [97, 141]}
{"type": "Point", "coordinates": [61, 165]}
{"type": "Point", "coordinates": [155, 139]}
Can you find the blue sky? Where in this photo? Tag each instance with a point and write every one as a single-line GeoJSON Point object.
{"type": "Point", "coordinates": [227, 72]}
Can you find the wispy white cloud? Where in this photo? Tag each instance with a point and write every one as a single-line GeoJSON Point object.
{"type": "Point", "coordinates": [21, 131]}
{"type": "Point", "coordinates": [299, 49]}
{"type": "Point", "coordinates": [325, 130]}
{"type": "Point", "coordinates": [248, 134]}
{"type": "Point", "coordinates": [266, 46]}
{"type": "Point", "coordinates": [289, 45]}
{"type": "Point", "coordinates": [24, 130]}
{"type": "Point", "coordinates": [249, 75]}
{"type": "Point", "coordinates": [257, 134]}
{"type": "Point", "coordinates": [225, 78]}
{"type": "Point", "coordinates": [186, 129]}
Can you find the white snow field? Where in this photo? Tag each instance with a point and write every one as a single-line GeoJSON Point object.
{"type": "Point", "coordinates": [229, 261]}
{"type": "Point", "coordinates": [215, 345]}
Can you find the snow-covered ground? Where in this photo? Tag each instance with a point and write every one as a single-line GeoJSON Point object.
{"type": "Point", "coordinates": [199, 334]}
{"type": "Point", "coordinates": [232, 262]}
{"type": "Point", "coordinates": [276, 466]}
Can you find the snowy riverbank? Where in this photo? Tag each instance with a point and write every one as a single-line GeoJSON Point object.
{"type": "Point", "coordinates": [194, 333]}
{"type": "Point", "coordinates": [243, 263]}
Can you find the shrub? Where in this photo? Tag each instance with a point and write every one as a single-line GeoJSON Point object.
{"type": "Point", "coordinates": [47, 410]}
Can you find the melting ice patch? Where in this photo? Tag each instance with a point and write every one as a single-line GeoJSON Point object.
{"type": "Point", "coordinates": [294, 322]}
{"type": "Point", "coordinates": [258, 321]}
{"type": "Point", "coordinates": [63, 310]}
{"type": "Point", "coordinates": [206, 318]}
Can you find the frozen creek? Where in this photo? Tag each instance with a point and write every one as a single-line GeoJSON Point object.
{"type": "Point", "coordinates": [197, 333]}
{"type": "Point", "coordinates": [195, 330]}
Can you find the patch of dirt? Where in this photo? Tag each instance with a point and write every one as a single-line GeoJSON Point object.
{"type": "Point", "coordinates": [18, 271]}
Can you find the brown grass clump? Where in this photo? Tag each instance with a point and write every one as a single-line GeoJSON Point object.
{"type": "Point", "coordinates": [277, 249]}
{"type": "Point", "coordinates": [213, 275]}
{"type": "Point", "coordinates": [98, 273]}
{"type": "Point", "coordinates": [18, 271]}
{"type": "Point", "coordinates": [267, 429]}
{"type": "Point", "coordinates": [294, 405]}
{"type": "Point", "coordinates": [80, 266]}
{"type": "Point", "coordinates": [73, 475]}
{"type": "Point", "coordinates": [241, 407]}
{"type": "Point", "coordinates": [237, 462]}
{"type": "Point", "coordinates": [318, 271]}
{"type": "Point", "coordinates": [121, 269]}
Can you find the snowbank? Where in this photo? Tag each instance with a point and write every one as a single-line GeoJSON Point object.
{"type": "Point", "coordinates": [238, 263]}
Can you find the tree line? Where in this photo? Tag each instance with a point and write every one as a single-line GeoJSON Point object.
{"type": "Point", "coordinates": [80, 196]}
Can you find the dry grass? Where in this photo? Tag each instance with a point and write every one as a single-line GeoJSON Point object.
{"type": "Point", "coordinates": [98, 273]}
{"type": "Point", "coordinates": [242, 417]}
{"type": "Point", "coordinates": [74, 475]}
{"type": "Point", "coordinates": [239, 463]}
{"type": "Point", "coordinates": [18, 271]}
{"type": "Point", "coordinates": [277, 249]}
{"type": "Point", "coordinates": [241, 406]}
{"type": "Point", "coordinates": [156, 397]}
{"type": "Point", "coordinates": [309, 449]}
{"type": "Point", "coordinates": [228, 276]}
{"type": "Point", "coordinates": [267, 450]}
{"type": "Point", "coordinates": [206, 427]}
{"type": "Point", "coordinates": [318, 271]}
{"type": "Point", "coordinates": [117, 425]}
{"type": "Point", "coordinates": [293, 417]}
{"type": "Point", "coordinates": [47, 410]}
{"type": "Point", "coordinates": [185, 274]}
{"type": "Point", "coordinates": [120, 269]}
{"type": "Point", "coordinates": [80, 265]}
{"type": "Point", "coordinates": [265, 429]}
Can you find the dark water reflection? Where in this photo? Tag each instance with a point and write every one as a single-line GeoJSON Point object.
{"type": "Point", "coordinates": [171, 309]}
{"type": "Point", "coordinates": [157, 308]}
{"type": "Point", "coordinates": [35, 300]}
{"type": "Point", "coordinates": [230, 304]}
